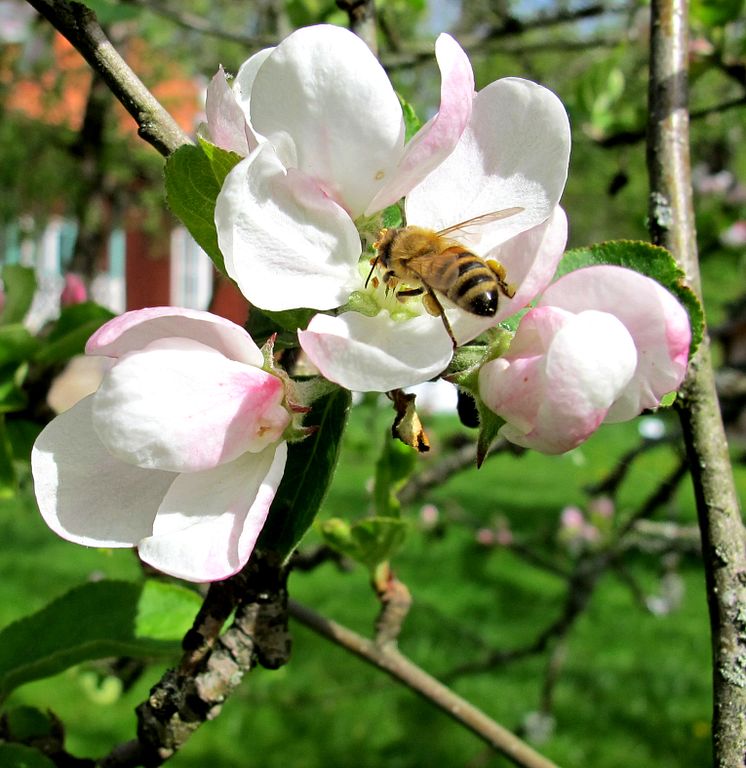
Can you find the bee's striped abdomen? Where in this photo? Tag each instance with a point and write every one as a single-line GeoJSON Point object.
{"type": "Point", "coordinates": [474, 287]}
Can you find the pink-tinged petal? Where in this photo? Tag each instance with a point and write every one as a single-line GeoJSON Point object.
{"type": "Point", "coordinates": [180, 406]}
{"type": "Point", "coordinates": [136, 329]}
{"type": "Point", "coordinates": [284, 242]}
{"type": "Point", "coordinates": [242, 85]}
{"type": "Point", "coordinates": [437, 138]}
{"type": "Point", "coordinates": [657, 322]}
{"type": "Point", "coordinates": [208, 523]}
{"type": "Point", "coordinates": [324, 89]}
{"type": "Point", "coordinates": [87, 496]}
{"type": "Point", "coordinates": [376, 354]}
{"type": "Point", "coordinates": [514, 153]}
{"type": "Point", "coordinates": [226, 122]}
{"type": "Point", "coordinates": [556, 397]}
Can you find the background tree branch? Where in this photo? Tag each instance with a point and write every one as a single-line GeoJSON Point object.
{"type": "Point", "coordinates": [79, 25]}
{"type": "Point", "coordinates": [672, 225]}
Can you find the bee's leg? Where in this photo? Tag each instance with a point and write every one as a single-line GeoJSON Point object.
{"type": "Point", "coordinates": [406, 293]}
{"type": "Point", "coordinates": [432, 304]}
{"type": "Point", "coordinates": [499, 271]}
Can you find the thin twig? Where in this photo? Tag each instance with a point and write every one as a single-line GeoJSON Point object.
{"type": "Point", "coordinates": [79, 25]}
{"type": "Point", "coordinates": [672, 225]}
{"type": "Point", "coordinates": [396, 665]}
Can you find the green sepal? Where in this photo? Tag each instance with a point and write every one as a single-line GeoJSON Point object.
{"type": "Point", "coordinates": [369, 542]}
{"type": "Point", "coordinates": [19, 287]}
{"type": "Point", "coordinates": [392, 217]}
{"type": "Point", "coordinates": [308, 474]}
{"type": "Point", "coordinates": [649, 260]}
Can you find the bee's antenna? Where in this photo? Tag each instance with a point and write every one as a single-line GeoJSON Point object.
{"type": "Point", "coordinates": [373, 266]}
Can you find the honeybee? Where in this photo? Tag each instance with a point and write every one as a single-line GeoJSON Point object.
{"type": "Point", "coordinates": [425, 261]}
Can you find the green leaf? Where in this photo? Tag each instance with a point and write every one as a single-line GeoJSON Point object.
{"type": "Point", "coordinates": [21, 756]}
{"type": "Point", "coordinates": [24, 723]}
{"type": "Point", "coordinates": [262, 324]}
{"type": "Point", "coordinates": [193, 180]}
{"type": "Point", "coordinates": [370, 542]}
{"type": "Point", "coordinates": [16, 344]}
{"type": "Point", "coordinates": [19, 285]}
{"type": "Point", "coordinates": [12, 396]}
{"type": "Point", "coordinates": [650, 260]}
{"type": "Point", "coordinates": [8, 479]}
{"type": "Point", "coordinates": [395, 464]}
{"type": "Point", "coordinates": [93, 621]}
{"type": "Point", "coordinates": [412, 123]}
{"type": "Point", "coordinates": [72, 330]}
{"type": "Point", "coordinates": [308, 474]}
{"type": "Point", "coordinates": [716, 13]}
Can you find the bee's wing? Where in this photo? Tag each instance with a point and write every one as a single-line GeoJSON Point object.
{"type": "Point", "coordinates": [485, 218]}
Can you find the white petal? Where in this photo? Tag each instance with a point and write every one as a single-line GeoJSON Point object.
{"type": "Point", "coordinates": [181, 406]}
{"type": "Point", "coordinates": [284, 242]}
{"type": "Point", "coordinates": [324, 88]}
{"type": "Point", "coordinates": [377, 354]}
{"type": "Point", "coordinates": [136, 329]}
{"type": "Point", "coordinates": [435, 140]}
{"type": "Point", "coordinates": [86, 495]}
{"type": "Point", "coordinates": [207, 525]}
{"type": "Point", "coordinates": [514, 153]}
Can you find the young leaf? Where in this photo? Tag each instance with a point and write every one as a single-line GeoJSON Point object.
{"type": "Point", "coordinates": [19, 285]}
{"type": "Point", "coordinates": [193, 180]}
{"type": "Point", "coordinates": [93, 621]}
{"type": "Point", "coordinates": [650, 260]}
{"type": "Point", "coordinates": [370, 541]}
{"type": "Point", "coordinates": [395, 464]}
{"type": "Point", "coordinates": [308, 474]}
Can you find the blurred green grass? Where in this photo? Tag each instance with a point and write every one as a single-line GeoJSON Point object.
{"type": "Point", "coordinates": [634, 688]}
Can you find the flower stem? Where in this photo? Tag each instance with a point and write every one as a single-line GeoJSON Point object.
{"type": "Point", "coordinates": [394, 663]}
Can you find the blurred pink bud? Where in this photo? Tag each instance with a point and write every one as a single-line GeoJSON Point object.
{"type": "Point", "coordinates": [429, 515]}
{"type": "Point", "coordinates": [571, 518]}
{"type": "Point", "coordinates": [735, 235]}
{"type": "Point", "coordinates": [486, 537]}
{"type": "Point", "coordinates": [74, 292]}
{"type": "Point", "coordinates": [602, 506]}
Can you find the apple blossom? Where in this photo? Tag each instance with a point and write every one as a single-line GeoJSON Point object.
{"type": "Point", "coordinates": [324, 133]}
{"type": "Point", "coordinates": [180, 450]}
{"type": "Point", "coordinates": [603, 344]}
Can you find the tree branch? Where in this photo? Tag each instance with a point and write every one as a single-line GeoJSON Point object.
{"type": "Point", "coordinates": [672, 225]}
{"type": "Point", "coordinates": [79, 25]}
{"type": "Point", "coordinates": [395, 664]}
{"type": "Point", "coordinates": [212, 666]}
